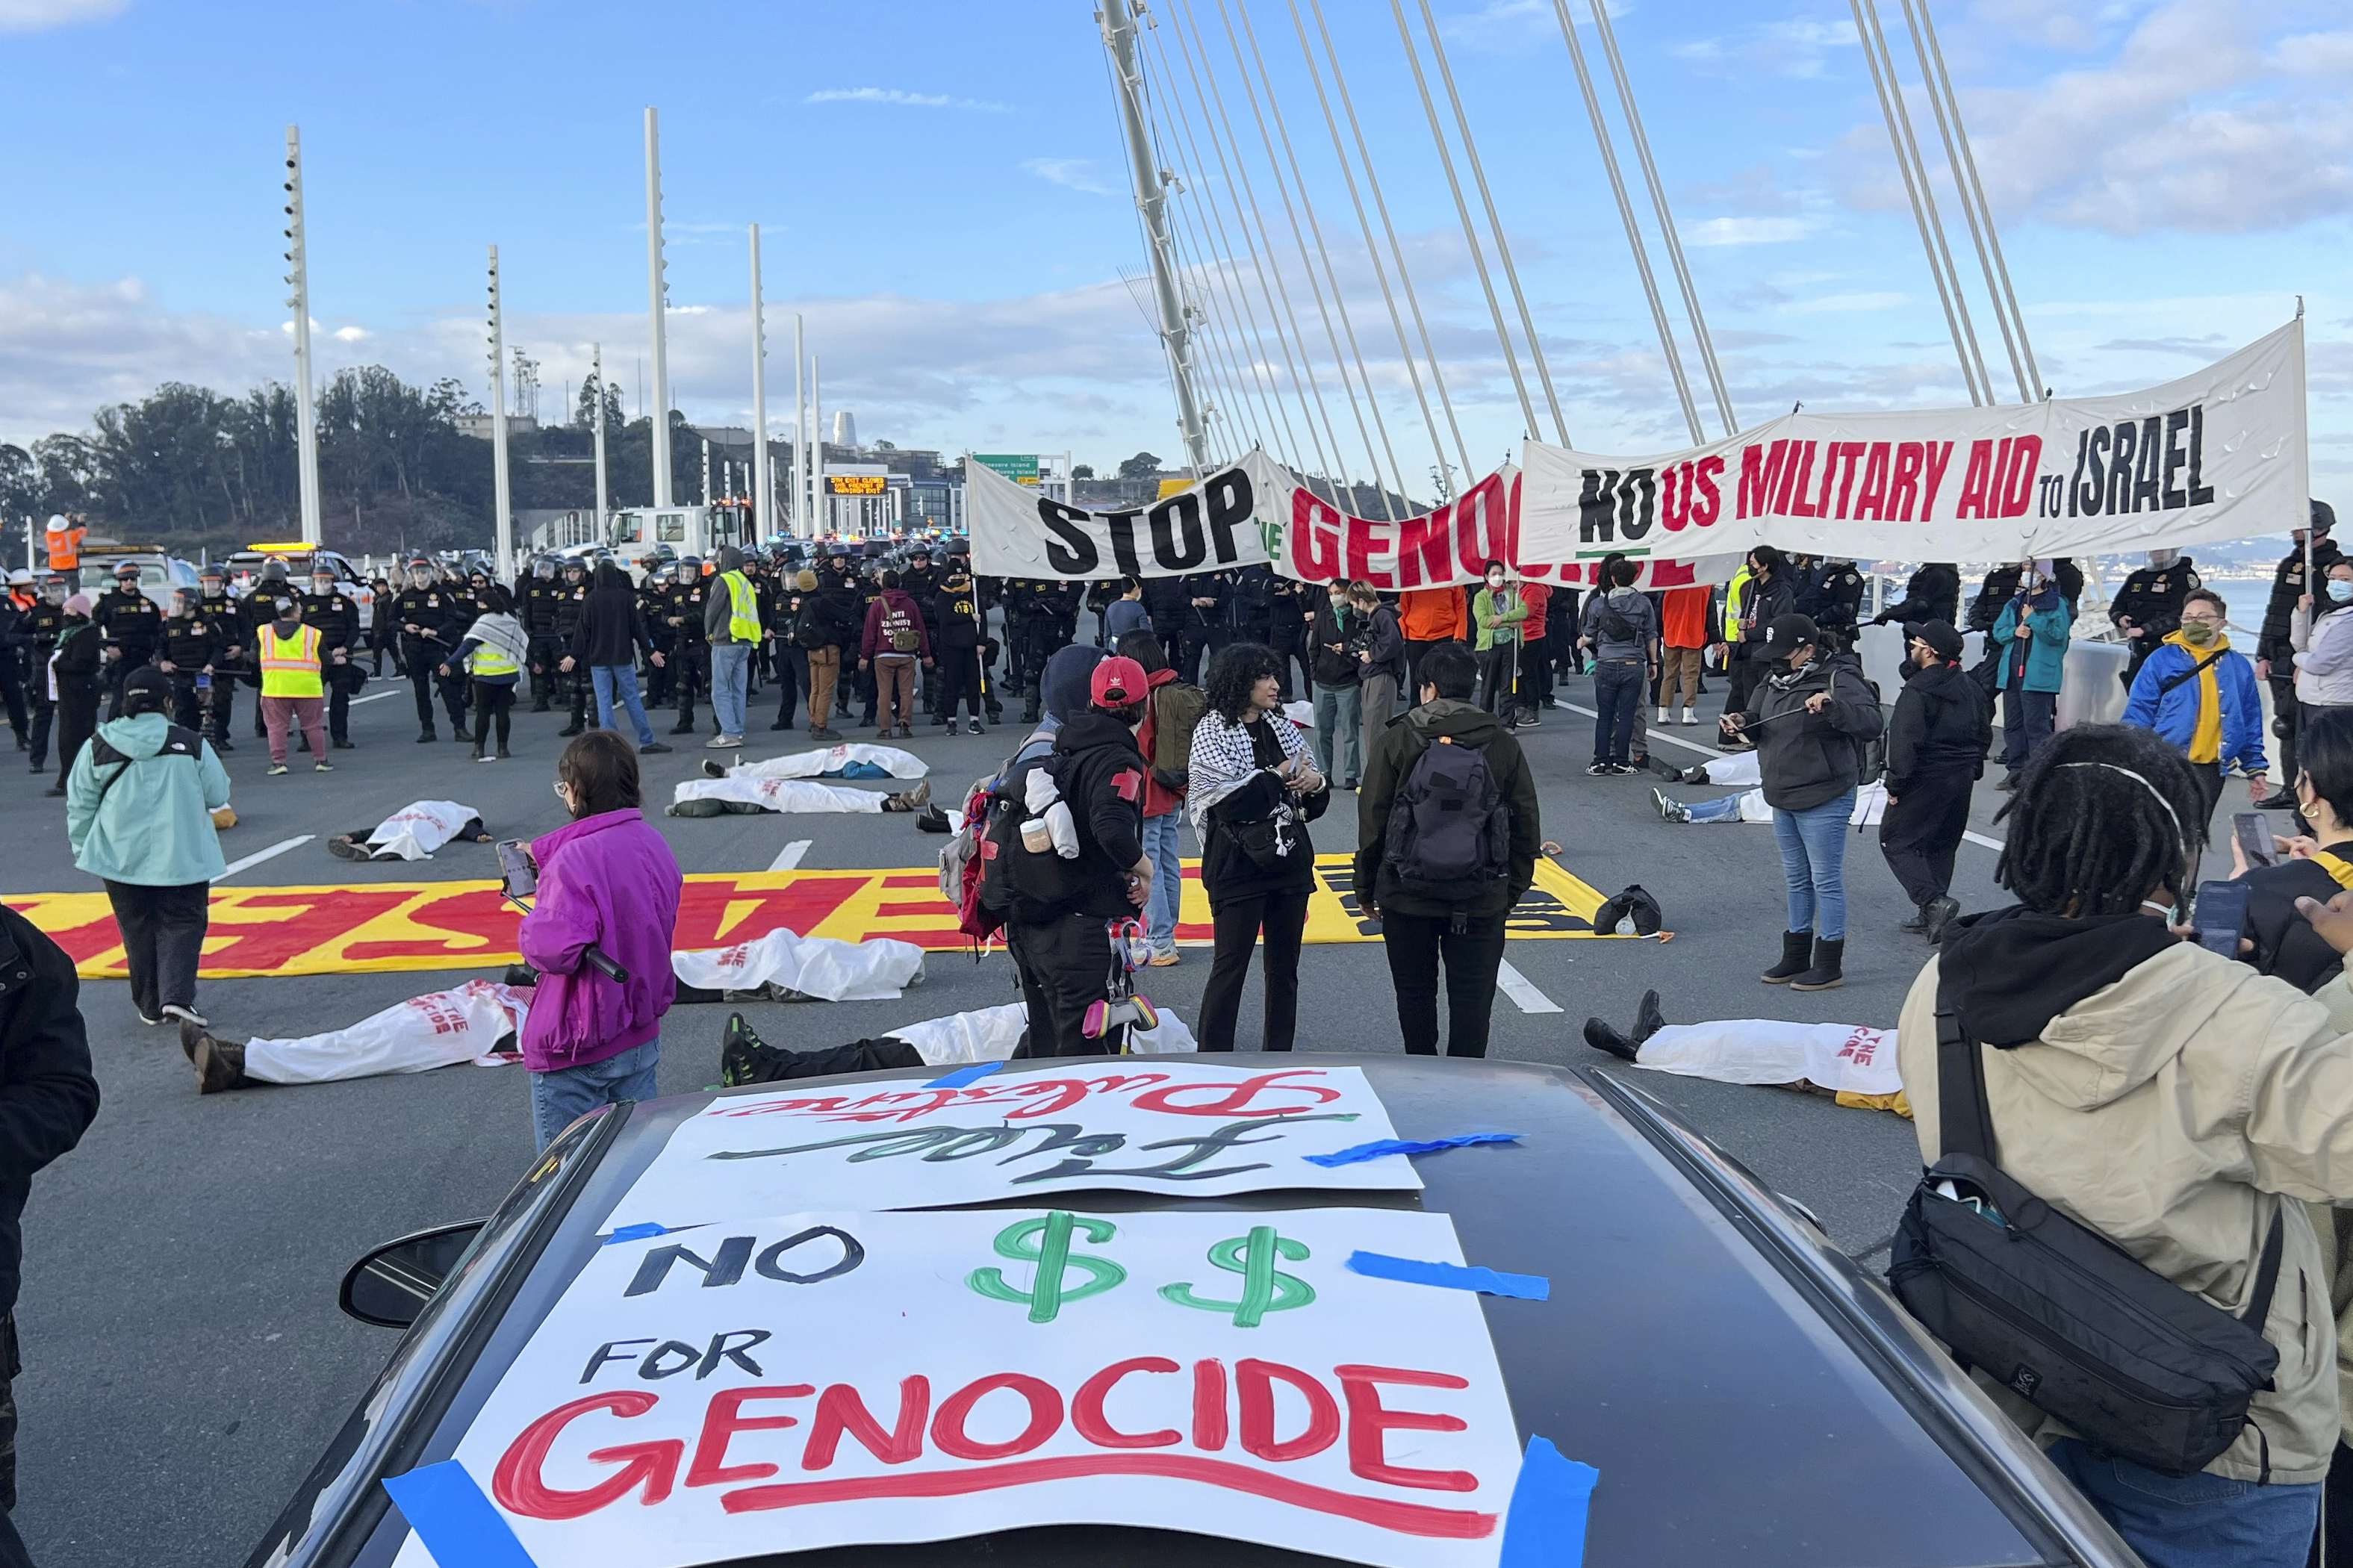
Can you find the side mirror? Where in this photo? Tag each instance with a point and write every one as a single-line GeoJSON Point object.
{"type": "Point", "coordinates": [388, 1288]}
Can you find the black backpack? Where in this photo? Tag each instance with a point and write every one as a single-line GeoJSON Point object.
{"type": "Point", "coordinates": [1450, 836]}
{"type": "Point", "coordinates": [1019, 883]}
{"type": "Point", "coordinates": [2059, 1314]}
{"type": "Point", "coordinates": [1612, 622]}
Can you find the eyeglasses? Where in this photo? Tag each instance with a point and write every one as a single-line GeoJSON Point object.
{"type": "Point", "coordinates": [2204, 620]}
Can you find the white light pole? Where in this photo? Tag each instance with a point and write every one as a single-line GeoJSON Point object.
{"type": "Point", "coordinates": [597, 423]}
{"type": "Point", "coordinates": [499, 430]}
{"type": "Point", "coordinates": [306, 422]}
{"type": "Point", "coordinates": [800, 434]}
{"type": "Point", "coordinates": [657, 300]}
{"type": "Point", "coordinates": [820, 514]}
{"type": "Point", "coordinates": [763, 505]}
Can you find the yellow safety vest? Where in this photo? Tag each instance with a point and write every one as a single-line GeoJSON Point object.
{"type": "Point", "coordinates": [1734, 598]}
{"type": "Point", "coordinates": [742, 608]}
{"type": "Point", "coordinates": [290, 667]}
{"type": "Point", "coordinates": [487, 660]}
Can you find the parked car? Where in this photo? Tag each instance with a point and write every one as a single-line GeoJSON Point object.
{"type": "Point", "coordinates": [1747, 1393]}
{"type": "Point", "coordinates": [161, 574]}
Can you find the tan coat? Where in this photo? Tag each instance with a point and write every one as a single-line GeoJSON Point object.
{"type": "Point", "coordinates": [2163, 1110]}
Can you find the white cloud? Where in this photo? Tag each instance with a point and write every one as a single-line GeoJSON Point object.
{"type": "Point", "coordinates": [1861, 300]}
{"type": "Point", "coordinates": [1746, 230]}
{"type": "Point", "coordinates": [35, 15]}
{"type": "Point", "coordinates": [1078, 173]}
{"type": "Point", "coordinates": [350, 334]}
{"type": "Point", "coordinates": [892, 95]}
{"type": "Point", "coordinates": [1793, 49]}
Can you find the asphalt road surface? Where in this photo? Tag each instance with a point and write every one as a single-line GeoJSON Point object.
{"type": "Point", "coordinates": [184, 1363]}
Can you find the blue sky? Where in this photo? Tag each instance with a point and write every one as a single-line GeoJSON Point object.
{"type": "Point", "coordinates": [943, 195]}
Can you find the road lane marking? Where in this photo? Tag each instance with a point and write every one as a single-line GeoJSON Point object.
{"type": "Point", "coordinates": [258, 856]}
{"type": "Point", "coordinates": [789, 857]}
{"type": "Point", "coordinates": [1523, 991]}
{"type": "Point", "coordinates": [371, 697]}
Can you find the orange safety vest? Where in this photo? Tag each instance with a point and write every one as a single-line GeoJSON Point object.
{"type": "Point", "coordinates": [65, 548]}
{"type": "Point", "coordinates": [289, 667]}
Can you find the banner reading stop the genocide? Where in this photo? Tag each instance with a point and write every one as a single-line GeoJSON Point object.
{"type": "Point", "coordinates": [2216, 455]}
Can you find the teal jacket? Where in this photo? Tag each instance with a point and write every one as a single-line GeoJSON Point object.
{"type": "Point", "coordinates": [2042, 662]}
{"type": "Point", "coordinates": [155, 827]}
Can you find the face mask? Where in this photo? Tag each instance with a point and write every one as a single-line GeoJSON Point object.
{"type": "Point", "coordinates": [1494, 584]}
{"type": "Point", "coordinates": [2341, 589]}
{"type": "Point", "coordinates": [2198, 634]}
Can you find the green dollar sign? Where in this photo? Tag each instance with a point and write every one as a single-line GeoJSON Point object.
{"type": "Point", "coordinates": [1046, 1242]}
{"type": "Point", "coordinates": [1264, 1288]}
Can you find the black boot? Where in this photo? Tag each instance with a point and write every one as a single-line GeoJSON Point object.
{"type": "Point", "coordinates": [1938, 913]}
{"type": "Point", "coordinates": [1826, 973]}
{"type": "Point", "coordinates": [426, 734]}
{"type": "Point", "coordinates": [1796, 949]}
{"type": "Point", "coordinates": [1602, 1037]}
{"type": "Point", "coordinates": [1647, 1019]}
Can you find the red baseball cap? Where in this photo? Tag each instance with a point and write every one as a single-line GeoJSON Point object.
{"type": "Point", "coordinates": [1118, 681]}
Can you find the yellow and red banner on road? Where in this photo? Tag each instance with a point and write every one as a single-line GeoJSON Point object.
{"type": "Point", "coordinates": [466, 925]}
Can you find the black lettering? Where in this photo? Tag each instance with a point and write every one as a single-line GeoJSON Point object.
{"type": "Point", "coordinates": [2120, 468]}
{"type": "Point", "coordinates": [722, 1351]}
{"type": "Point", "coordinates": [605, 1354]}
{"type": "Point", "coordinates": [2145, 484]}
{"type": "Point", "coordinates": [1230, 504]}
{"type": "Point", "coordinates": [2096, 485]}
{"type": "Point", "coordinates": [652, 1370]}
{"type": "Point", "coordinates": [1123, 542]}
{"type": "Point", "coordinates": [2083, 449]}
{"type": "Point", "coordinates": [1637, 502]}
{"type": "Point", "coordinates": [2176, 498]}
{"type": "Point", "coordinates": [770, 1267]}
{"type": "Point", "coordinates": [1594, 505]}
{"type": "Point", "coordinates": [1065, 524]}
{"type": "Point", "coordinates": [2199, 494]}
{"type": "Point", "coordinates": [725, 1268]}
{"type": "Point", "coordinates": [1183, 508]}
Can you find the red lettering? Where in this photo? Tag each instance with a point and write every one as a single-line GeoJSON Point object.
{"type": "Point", "coordinates": [1482, 530]}
{"type": "Point", "coordinates": [1674, 496]}
{"type": "Point", "coordinates": [1208, 1404]}
{"type": "Point", "coordinates": [1045, 1416]}
{"type": "Point", "coordinates": [1424, 546]}
{"type": "Point", "coordinates": [2017, 489]}
{"type": "Point", "coordinates": [1087, 1417]}
{"type": "Point", "coordinates": [519, 1489]}
{"type": "Point", "coordinates": [1795, 479]}
{"type": "Point", "coordinates": [1760, 475]}
{"type": "Point", "coordinates": [839, 1410]}
{"type": "Point", "coordinates": [1872, 501]}
{"type": "Point", "coordinates": [723, 1418]}
{"type": "Point", "coordinates": [1234, 1099]}
{"type": "Point", "coordinates": [1367, 539]}
{"type": "Point", "coordinates": [1831, 451]}
{"type": "Point", "coordinates": [1254, 1380]}
{"type": "Point", "coordinates": [1909, 456]}
{"type": "Point", "coordinates": [1368, 1418]}
{"type": "Point", "coordinates": [1707, 499]}
{"type": "Point", "coordinates": [1939, 455]}
{"type": "Point", "coordinates": [1313, 537]}
{"type": "Point", "coordinates": [1848, 451]}
{"type": "Point", "coordinates": [1978, 477]}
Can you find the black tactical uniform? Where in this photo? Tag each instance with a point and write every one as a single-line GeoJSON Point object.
{"type": "Point", "coordinates": [130, 620]}
{"type": "Point", "coordinates": [1834, 598]}
{"type": "Point", "coordinates": [2287, 586]}
{"type": "Point", "coordinates": [2001, 587]}
{"type": "Point", "coordinates": [439, 624]}
{"type": "Point", "coordinates": [1932, 594]}
{"type": "Point", "coordinates": [1289, 604]}
{"type": "Point", "coordinates": [568, 606]}
{"type": "Point", "coordinates": [690, 655]}
{"type": "Point", "coordinates": [185, 653]}
{"type": "Point", "coordinates": [36, 636]}
{"type": "Point", "coordinates": [2150, 600]}
{"type": "Point", "coordinates": [869, 592]}
{"type": "Point", "coordinates": [337, 617]}
{"type": "Point", "coordinates": [921, 583]}
{"type": "Point", "coordinates": [536, 609]}
{"type": "Point", "coordinates": [225, 615]}
{"type": "Point", "coordinates": [653, 608]}
{"type": "Point", "coordinates": [1029, 627]}
{"type": "Point", "coordinates": [1198, 638]}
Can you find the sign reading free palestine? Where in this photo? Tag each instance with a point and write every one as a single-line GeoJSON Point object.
{"type": "Point", "coordinates": [822, 1378]}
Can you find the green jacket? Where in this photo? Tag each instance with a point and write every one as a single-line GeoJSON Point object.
{"type": "Point", "coordinates": [154, 825]}
{"type": "Point", "coordinates": [1497, 625]}
{"type": "Point", "coordinates": [1392, 757]}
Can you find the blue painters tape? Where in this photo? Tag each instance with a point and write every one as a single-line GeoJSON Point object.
{"type": "Point", "coordinates": [1453, 1276]}
{"type": "Point", "coordinates": [1379, 1147]}
{"type": "Point", "coordinates": [636, 1232]}
{"type": "Point", "coordinates": [962, 1075]}
{"type": "Point", "coordinates": [458, 1525]}
{"type": "Point", "coordinates": [1545, 1525]}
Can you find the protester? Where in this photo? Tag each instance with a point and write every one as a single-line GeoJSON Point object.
{"type": "Point", "coordinates": [1765, 598]}
{"type": "Point", "coordinates": [607, 636]}
{"type": "Point", "coordinates": [492, 653]}
{"type": "Point", "coordinates": [2199, 694]}
{"type": "Point", "coordinates": [1255, 790]}
{"type": "Point", "coordinates": [1063, 951]}
{"type": "Point", "coordinates": [2275, 654]}
{"type": "Point", "coordinates": [1683, 642]}
{"type": "Point", "coordinates": [293, 689]}
{"type": "Point", "coordinates": [607, 879]}
{"type": "Point", "coordinates": [1339, 682]}
{"type": "Point", "coordinates": [1498, 612]}
{"type": "Point", "coordinates": [1380, 656]}
{"type": "Point", "coordinates": [47, 1100]}
{"type": "Point", "coordinates": [821, 625]}
{"type": "Point", "coordinates": [894, 638]}
{"type": "Point", "coordinates": [2169, 1098]}
{"type": "Point", "coordinates": [1426, 617]}
{"type": "Point", "coordinates": [1166, 739]}
{"type": "Point", "coordinates": [1536, 654]}
{"type": "Point", "coordinates": [2318, 866]}
{"type": "Point", "coordinates": [1936, 744]}
{"type": "Point", "coordinates": [476, 1022]}
{"type": "Point", "coordinates": [1621, 632]}
{"type": "Point", "coordinates": [1849, 1063]}
{"type": "Point", "coordinates": [73, 679]}
{"type": "Point", "coordinates": [731, 624]}
{"type": "Point", "coordinates": [1809, 719]}
{"type": "Point", "coordinates": [139, 805]}
{"type": "Point", "coordinates": [1126, 614]}
{"type": "Point", "coordinates": [2324, 647]}
{"type": "Point", "coordinates": [1444, 879]}
{"type": "Point", "coordinates": [2030, 653]}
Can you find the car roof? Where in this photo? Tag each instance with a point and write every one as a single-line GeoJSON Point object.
{"type": "Point", "coordinates": [1745, 1395]}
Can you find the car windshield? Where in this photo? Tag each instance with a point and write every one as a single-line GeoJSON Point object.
{"type": "Point", "coordinates": [98, 576]}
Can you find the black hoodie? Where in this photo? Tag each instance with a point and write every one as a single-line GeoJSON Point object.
{"type": "Point", "coordinates": [1809, 759]}
{"type": "Point", "coordinates": [2012, 971]}
{"type": "Point", "coordinates": [1942, 725]}
{"type": "Point", "coordinates": [1101, 774]}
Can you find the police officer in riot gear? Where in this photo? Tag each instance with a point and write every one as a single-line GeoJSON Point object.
{"type": "Point", "coordinates": [185, 653]}
{"type": "Point", "coordinates": [653, 608]}
{"type": "Point", "coordinates": [536, 609]}
{"type": "Point", "coordinates": [37, 634]}
{"type": "Point", "coordinates": [423, 612]}
{"type": "Point", "coordinates": [691, 652]}
{"type": "Point", "coordinates": [2148, 608]}
{"type": "Point", "coordinates": [2276, 655]}
{"type": "Point", "coordinates": [225, 616]}
{"type": "Point", "coordinates": [336, 615]}
{"type": "Point", "coordinates": [1832, 597]}
{"type": "Point", "coordinates": [129, 620]}
{"type": "Point", "coordinates": [568, 603]}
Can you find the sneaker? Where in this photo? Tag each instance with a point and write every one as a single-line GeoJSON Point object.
{"type": "Point", "coordinates": [1662, 718]}
{"type": "Point", "coordinates": [220, 1064]}
{"type": "Point", "coordinates": [186, 1016]}
{"type": "Point", "coordinates": [1630, 767]}
{"type": "Point", "coordinates": [484, 757]}
{"type": "Point", "coordinates": [713, 768]}
{"type": "Point", "coordinates": [322, 767]}
{"type": "Point", "coordinates": [1528, 720]}
{"type": "Point", "coordinates": [825, 732]}
{"type": "Point", "coordinates": [972, 727]}
{"type": "Point", "coordinates": [151, 1023]}
{"type": "Point", "coordinates": [1168, 960]}
{"type": "Point", "coordinates": [1689, 718]}
{"type": "Point", "coordinates": [274, 769]}
{"type": "Point", "coordinates": [1600, 769]}
{"type": "Point", "coordinates": [344, 846]}
{"type": "Point", "coordinates": [1667, 808]}
{"type": "Point", "coordinates": [652, 749]}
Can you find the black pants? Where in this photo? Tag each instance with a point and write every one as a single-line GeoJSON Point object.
{"type": "Point", "coordinates": [956, 680]}
{"type": "Point", "coordinates": [1499, 668]}
{"type": "Point", "coordinates": [493, 700]}
{"type": "Point", "coordinates": [1193, 651]}
{"type": "Point", "coordinates": [1535, 675]}
{"type": "Point", "coordinates": [44, 715]}
{"type": "Point", "coordinates": [1239, 922]}
{"type": "Point", "coordinates": [1291, 645]}
{"type": "Point", "coordinates": [1745, 675]}
{"type": "Point", "coordinates": [546, 651]}
{"type": "Point", "coordinates": [1065, 964]}
{"type": "Point", "coordinates": [187, 704]}
{"type": "Point", "coordinates": [2210, 780]}
{"type": "Point", "coordinates": [792, 682]}
{"type": "Point", "coordinates": [423, 660]}
{"type": "Point", "coordinates": [341, 680]}
{"type": "Point", "coordinates": [77, 721]}
{"type": "Point", "coordinates": [689, 665]}
{"type": "Point", "coordinates": [118, 672]}
{"type": "Point", "coordinates": [2290, 714]}
{"type": "Point", "coordinates": [1922, 832]}
{"type": "Point", "coordinates": [12, 1547]}
{"type": "Point", "coordinates": [221, 703]}
{"type": "Point", "coordinates": [12, 692]}
{"type": "Point", "coordinates": [2027, 720]}
{"type": "Point", "coordinates": [162, 932]}
{"type": "Point", "coordinates": [655, 679]}
{"type": "Point", "coordinates": [1416, 943]}
{"type": "Point", "coordinates": [1415, 652]}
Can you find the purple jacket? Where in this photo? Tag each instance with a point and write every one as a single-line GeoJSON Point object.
{"type": "Point", "coordinates": [612, 880]}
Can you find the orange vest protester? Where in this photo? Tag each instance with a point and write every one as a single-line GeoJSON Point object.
{"type": "Point", "coordinates": [1431, 614]}
{"type": "Point", "coordinates": [1684, 623]}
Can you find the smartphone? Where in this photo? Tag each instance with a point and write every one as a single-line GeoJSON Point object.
{"type": "Point", "coordinates": [2222, 911]}
{"type": "Point", "coordinates": [203, 681]}
{"type": "Point", "coordinates": [2255, 834]}
{"type": "Point", "coordinates": [515, 866]}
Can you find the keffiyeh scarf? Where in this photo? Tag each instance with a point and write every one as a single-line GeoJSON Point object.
{"type": "Point", "coordinates": [1223, 760]}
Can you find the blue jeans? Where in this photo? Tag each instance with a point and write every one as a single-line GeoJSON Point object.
{"type": "Point", "coordinates": [2194, 1521]}
{"type": "Point", "coordinates": [621, 679]}
{"type": "Point", "coordinates": [731, 672]}
{"type": "Point", "coordinates": [561, 1098]}
{"type": "Point", "coordinates": [1616, 693]}
{"type": "Point", "coordinates": [1161, 845]}
{"type": "Point", "coordinates": [1724, 810]}
{"type": "Point", "coordinates": [1340, 729]}
{"type": "Point", "coordinates": [1813, 851]}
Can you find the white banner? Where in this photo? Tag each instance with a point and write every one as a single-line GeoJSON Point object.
{"type": "Point", "coordinates": [2217, 454]}
{"type": "Point", "coordinates": [1197, 1130]}
{"type": "Point", "coordinates": [834, 1378]}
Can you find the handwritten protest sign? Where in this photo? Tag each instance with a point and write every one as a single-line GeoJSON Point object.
{"type": "Point", "coordinates": [822, 1378]}
{"type": "Point", "coordinates": [1184, 1128]}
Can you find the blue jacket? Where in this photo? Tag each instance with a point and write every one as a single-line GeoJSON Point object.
{"type": "Point", "coordinates": [155, 826]}
{"type": "Point", "coordinates": [2174, 715]}
{"type": "Point", "coordinates": [2046, 651]}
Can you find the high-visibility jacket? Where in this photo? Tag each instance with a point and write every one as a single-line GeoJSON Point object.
{"type": "Point", "coordinates": [487, 662]}
{"type": "Point", "coordinates": [1735, 598]}
{"type": "Point", "coordinates": [742, 608]}
{"type": "Point", "coordinates": [65, 548]}
{"type": "Point", "coordinates": [289, 666]}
